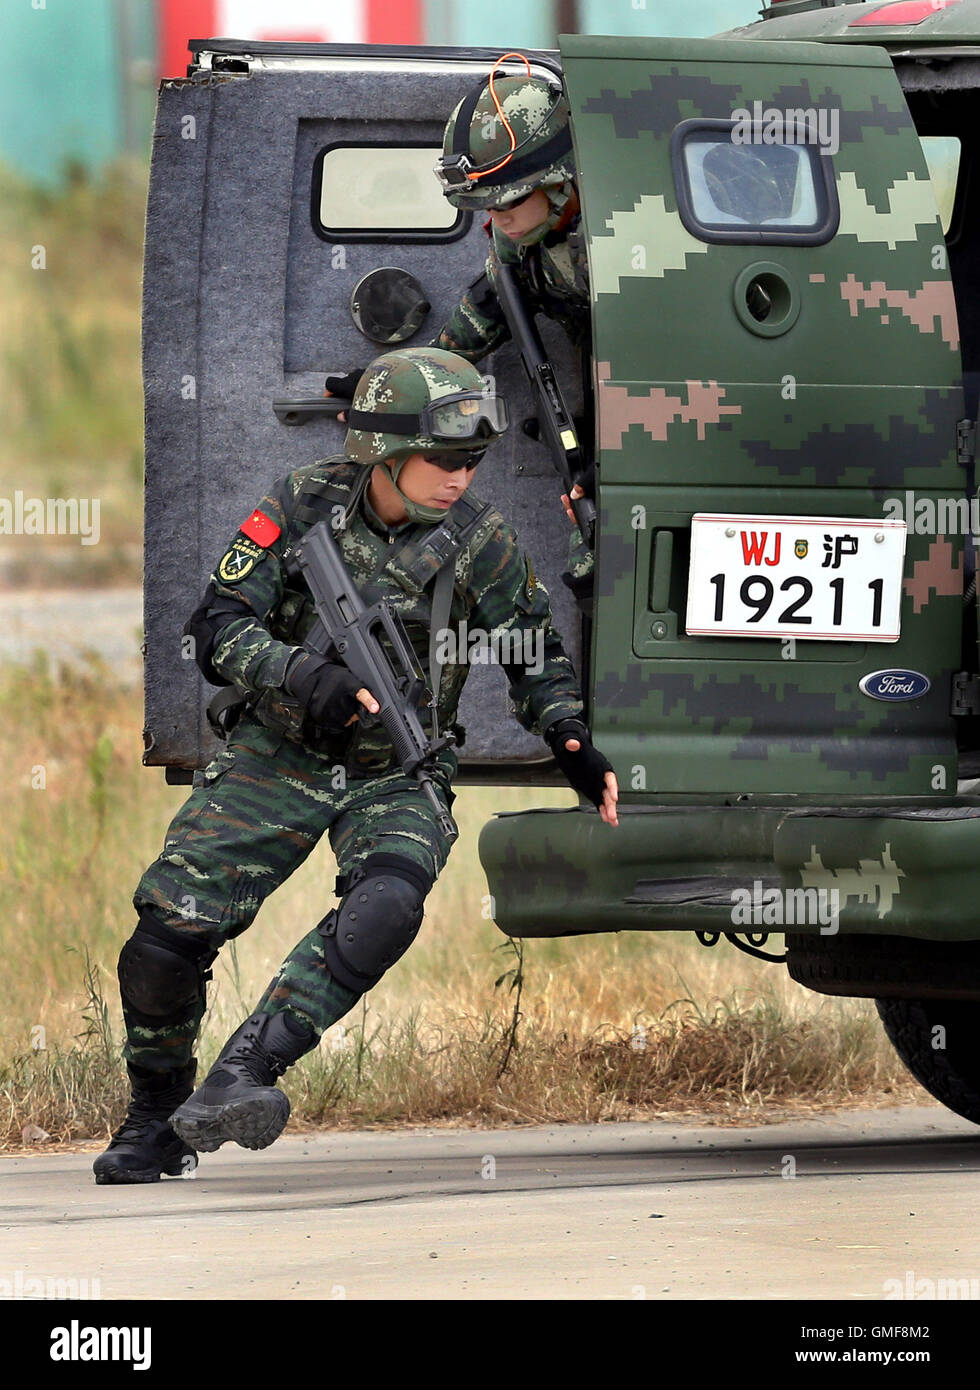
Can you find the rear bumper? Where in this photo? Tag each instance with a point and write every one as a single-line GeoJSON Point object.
{"type": "Point", "coordinates": [896, 871]}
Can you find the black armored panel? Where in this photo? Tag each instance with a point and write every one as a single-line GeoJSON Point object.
{"type": "Point", "coordinates": [279, 180]}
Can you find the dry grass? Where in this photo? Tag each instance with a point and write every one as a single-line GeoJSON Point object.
{"type": "Point", "coordinates": [611, 1027]}
{"type": "Point", "coordinates": [70, 367]}
{"type": "Point", "coordinates": [734, 1063]}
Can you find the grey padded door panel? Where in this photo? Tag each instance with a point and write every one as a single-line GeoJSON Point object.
{"type": "Point", "coordinates": [244, 303]}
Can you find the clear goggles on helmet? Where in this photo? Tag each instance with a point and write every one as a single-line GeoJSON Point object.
{"type": "Point", "coordinates": [449, 420]}
{"type": "Point", "coordinates": [465, 416]}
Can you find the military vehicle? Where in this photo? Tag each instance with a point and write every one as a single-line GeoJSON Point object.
{"type": "Point", "coordinates": [782, 662]}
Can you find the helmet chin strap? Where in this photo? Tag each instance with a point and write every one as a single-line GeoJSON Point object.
{"type": "Point", "coordinates": [557, 195]}
{"type": "Point", "coordinates": [416, 512]}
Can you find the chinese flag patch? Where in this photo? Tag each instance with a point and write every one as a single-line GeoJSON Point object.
{"type": "Point", "coordinates": [260, 528]}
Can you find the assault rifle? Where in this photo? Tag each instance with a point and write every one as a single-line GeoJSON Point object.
{"type": "Point", "coordinates": [554, 419]}
{"type": "Point", "coordinates": [356, 633]}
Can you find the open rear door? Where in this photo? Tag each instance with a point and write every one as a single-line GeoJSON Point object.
{"type": "Point", "coordinates": [281, 176]}
{"type": "Point", "coordinates": [775, 339]}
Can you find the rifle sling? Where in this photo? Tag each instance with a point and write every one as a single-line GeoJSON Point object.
{"type": "Point", "coordinates": [224, 710]}
{"type": "Point", "coordinates": [442, 602]}
{"type": "Point", "coordinates": [440, 545]}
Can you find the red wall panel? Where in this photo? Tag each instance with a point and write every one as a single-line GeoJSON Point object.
{"type": "Point", "coordinates": [181, 20]}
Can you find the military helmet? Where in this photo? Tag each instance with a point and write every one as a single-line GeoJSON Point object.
{"type": "Point", "coordinates": [497, 152]}
{"type": "Point", "coordinates": [421, 400]}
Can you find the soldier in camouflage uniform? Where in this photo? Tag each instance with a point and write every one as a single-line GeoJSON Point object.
{"type": "Point", "coordinates": [300, 762]}
{"type": "Point", "coordinates": [524, 178]}
{"type": "Point", "coordinates": [536, 227]}
{"type": "Point", "coordinates": [517, 166]}
{"type": "Point", "coordinates": [526, 183]}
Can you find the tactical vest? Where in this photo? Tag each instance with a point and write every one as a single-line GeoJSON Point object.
{"type": "Point", "coordinates": [431, 569]}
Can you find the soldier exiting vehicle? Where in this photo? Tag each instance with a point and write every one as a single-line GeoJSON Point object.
{"type": "Point", "coordinates": [507, 151]}
{"type": "Point", "coordinates": [420, 421]}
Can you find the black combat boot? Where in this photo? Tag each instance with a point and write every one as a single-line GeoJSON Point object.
{"type": "Point", "coordinates": [144, 1146]}
{"type": "Point", "coordinates": [239, 1099]}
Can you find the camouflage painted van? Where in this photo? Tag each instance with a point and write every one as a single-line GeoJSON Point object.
{"type": "Point", "coordinates": [782, 659]}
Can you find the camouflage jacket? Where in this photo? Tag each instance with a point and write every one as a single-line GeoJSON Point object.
{"type": "Point", "coordinates": [554, 276]}
{"type": "Point", "coordinates": [496, 590]}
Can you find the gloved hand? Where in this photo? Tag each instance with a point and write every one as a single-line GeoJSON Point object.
{"type": "Point", "coordinates": [343, 386]}
{"type": "Point", "coordinates": [585, 768]}
{"type": "Point", "coordinates": [585, 483]}
{"type": "Point", "coordinates": [327, 691]}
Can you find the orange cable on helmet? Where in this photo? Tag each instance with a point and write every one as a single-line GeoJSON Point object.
{"type": "Point", "coordinates": [500, 112]}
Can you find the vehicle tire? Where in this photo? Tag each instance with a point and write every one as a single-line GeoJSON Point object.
{"type": "Point", "coordinates": [951, 1073]}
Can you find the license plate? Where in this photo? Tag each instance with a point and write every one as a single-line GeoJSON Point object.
{"type": "Point", "coordinates": [795, 576]}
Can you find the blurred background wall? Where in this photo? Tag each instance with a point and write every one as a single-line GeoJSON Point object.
{"type": "Point", "coordinates": [80, 76]}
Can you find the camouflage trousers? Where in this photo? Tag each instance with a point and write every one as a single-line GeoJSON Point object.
{"type": "Point", "coordinates": [253, 817]}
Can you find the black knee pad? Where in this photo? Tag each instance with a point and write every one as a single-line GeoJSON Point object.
{"type": "Point", "coordinates": [162, 971]}
{"type": "Point", "coordinates": [376, 922]}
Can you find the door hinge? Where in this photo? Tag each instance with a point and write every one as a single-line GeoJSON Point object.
{"type": "Point", "coordinates": [966, 693]}
{"type": "Point", "coordinates": [966, 441]}
{"type": "Point", "coordinates": [207, 61]}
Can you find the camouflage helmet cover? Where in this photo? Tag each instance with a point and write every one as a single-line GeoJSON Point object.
{"type": "Point", "coordinates": [405, 381]}
{"type": "Point", "coordinates": [537, 112]}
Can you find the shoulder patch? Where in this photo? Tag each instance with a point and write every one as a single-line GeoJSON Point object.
{"type": "Point", "coordinates": [239, 561]}
{"type": "Point", "coordinates": [261, 529]}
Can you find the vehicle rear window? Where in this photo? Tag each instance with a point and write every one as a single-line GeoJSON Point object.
{"type": "Point", "coordinates": [375, 192]}
{"type": "Point", "coordinates": [731, 189]}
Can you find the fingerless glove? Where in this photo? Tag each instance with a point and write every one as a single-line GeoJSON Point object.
{"type": "Point", "coordinates": [326, 690]}
{"type": "Point", "coordinates": [586, 768]}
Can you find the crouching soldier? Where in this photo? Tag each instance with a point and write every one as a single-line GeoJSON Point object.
{"type": "Point", "coordinates": [419, 423]}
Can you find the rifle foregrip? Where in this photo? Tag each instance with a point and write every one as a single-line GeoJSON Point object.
{"type": "Point", "coordinates": [407, 750]}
